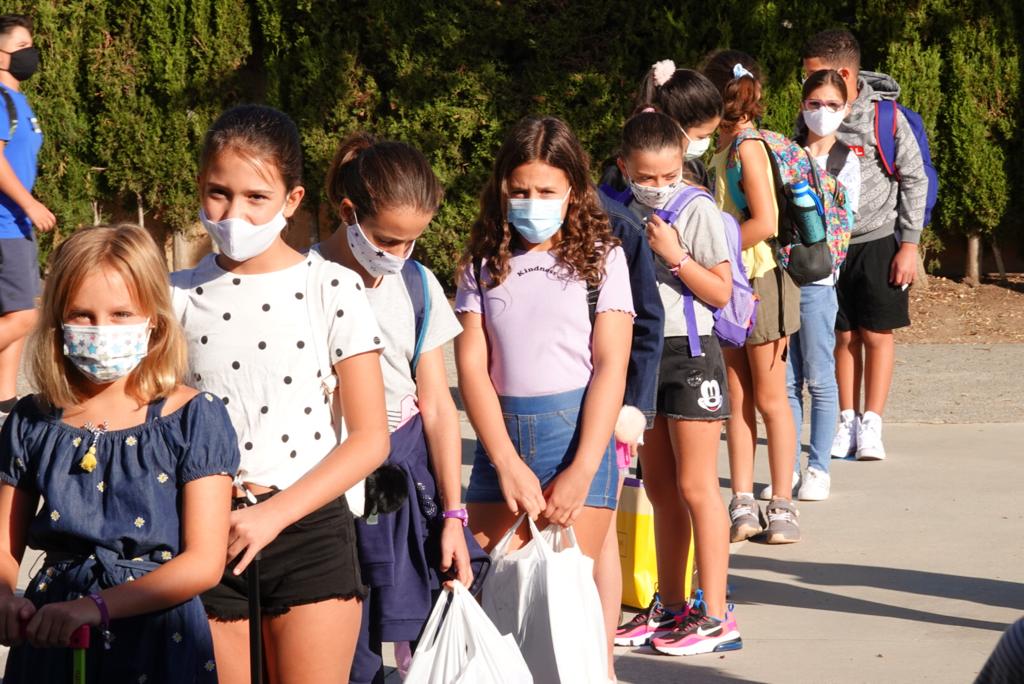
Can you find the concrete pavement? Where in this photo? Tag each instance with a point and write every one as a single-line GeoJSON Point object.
{"type": "Point", "coordinates": [913, 568]}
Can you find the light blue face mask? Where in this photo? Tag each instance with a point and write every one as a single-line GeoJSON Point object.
{"type": "Point", "coordinates": [536, 219]}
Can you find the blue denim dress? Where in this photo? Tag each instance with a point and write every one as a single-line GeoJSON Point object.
{"type": "Point", "coordinates": [112, 523]}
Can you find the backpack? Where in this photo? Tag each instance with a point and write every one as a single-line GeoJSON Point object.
{"type": "Point", "coordinates": [415, 276]}
{"type": "Point", "coordinates": [790, 164]}
{"type": "Point", "coordinates": [736, 319]}
{"type": "Point", "coordinates": [12, 113]}
{"type": "Point", "coordinates": [885, 140]}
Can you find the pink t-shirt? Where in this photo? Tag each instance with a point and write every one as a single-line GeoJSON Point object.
{"type": "Point", "coordinates": [538, 324]}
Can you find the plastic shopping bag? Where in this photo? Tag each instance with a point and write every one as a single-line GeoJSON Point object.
{"type": "Point", "coordinates": [461, 646]}
{"type": "Point", "coordinates": [544, 595]}
{"type": "Point", "coordinates": [634, 524]}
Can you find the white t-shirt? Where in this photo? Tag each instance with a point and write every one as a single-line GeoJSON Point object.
{"type": "Point", "coordinates": [849, 176]}
{"type": "Point", "coordinates": [251, 342]}
{"type": "Point", "coordinates": [393, 307]}
{"type": "Point", "coordinates": [701, 233]}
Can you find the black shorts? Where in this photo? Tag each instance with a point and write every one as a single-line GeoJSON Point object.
{"type": "Point", "coordinates": [312, 560]}
{"type": "Point", "coordinates": [866, 297]}
{"type": "Point", "coordinates": [19, 274]}
{"type": "Point", "coordinates": [693, 388]}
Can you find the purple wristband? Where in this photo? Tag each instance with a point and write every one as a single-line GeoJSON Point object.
{"type": "Point", "coordinates": [104, 619]}
{"type": "Point", "coordinates": [460, 513]}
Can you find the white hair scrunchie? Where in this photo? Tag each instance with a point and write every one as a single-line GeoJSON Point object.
{"type": "Point", "coordinates": [739, 71]}
{"type": "Point", "coordinates": [663, 71]}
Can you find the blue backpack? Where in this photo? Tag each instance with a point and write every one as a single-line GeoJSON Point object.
{"type": "Point", "coordinates": [415, 276]}
{"type": "Point", "coordinates": [885, 139]}
{"type": "Point", "coordinates": [736, 319]}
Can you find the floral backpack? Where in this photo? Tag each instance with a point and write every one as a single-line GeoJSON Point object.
{"type": "Point", "coordinates": [790, 165]}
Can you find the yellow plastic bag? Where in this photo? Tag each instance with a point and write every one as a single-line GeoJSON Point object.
{"type": "Point", "coordinates": [635, 527]}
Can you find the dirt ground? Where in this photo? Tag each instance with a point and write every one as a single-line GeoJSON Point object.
{"type": "Point", "coordinates": [950, 311]}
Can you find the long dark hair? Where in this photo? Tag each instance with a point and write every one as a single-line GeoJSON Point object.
{"type": "Point", "coordinates": [382, 174]}
{"type": "Point", "coordinates": [261, 134]}
{"type": "Point", "coordinates": [687, 96]}
{"type": "Point", "coordinates": [585, 237]}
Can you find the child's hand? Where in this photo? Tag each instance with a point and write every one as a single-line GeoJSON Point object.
{"type": "Point", "coordinates": [904, 265]}
{"type": "Point", "coordinates": [664, 240]}
{"type": "Point", "coordinates": [566, 496]}
{"type": "Point", "coordinates": [454, 551]}
{"type": "Point", "coordinates": [53, 624]}
{"type": "Point", "coordinates": [15, 611]}
{"type": "Point", "coordinates": [252, 528]}
{"type": "Point", "coordinates": [521, 488]}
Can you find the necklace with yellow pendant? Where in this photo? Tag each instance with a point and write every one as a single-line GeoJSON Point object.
{"type": "Point", "coordinates": [88, 462]}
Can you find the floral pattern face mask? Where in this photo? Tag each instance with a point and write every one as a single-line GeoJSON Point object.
{"type": "Point", "coordinates": [105, 353]}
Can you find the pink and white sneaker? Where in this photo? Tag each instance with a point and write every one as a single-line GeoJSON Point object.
{"type": "Point", "coordinates": [644, 626]}
{"type": "Point", "coordinates": [701, 634]}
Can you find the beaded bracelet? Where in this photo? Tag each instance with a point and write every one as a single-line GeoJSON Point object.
{"type": "Point", "coordinates": [675, 269]}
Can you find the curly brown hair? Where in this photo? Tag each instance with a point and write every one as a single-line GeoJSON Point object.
{"type": "Point", "coordinates": [585, 238]}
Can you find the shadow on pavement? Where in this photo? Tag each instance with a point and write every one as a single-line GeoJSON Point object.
{"type": "Point", "coordinates": [666, 669]}
{"type": "Point", "coordinates": [787, 593]}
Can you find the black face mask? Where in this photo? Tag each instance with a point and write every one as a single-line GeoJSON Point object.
{"type": "Point", "coordinates": [24, 63]}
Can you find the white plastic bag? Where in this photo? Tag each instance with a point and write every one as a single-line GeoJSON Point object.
{"type": "Point", "coordinates": [463, 647]}
{"type": "Point", "coordinates": [544, 595]}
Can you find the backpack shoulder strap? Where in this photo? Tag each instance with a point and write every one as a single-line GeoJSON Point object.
{"type": "Point", "coordinates": [624, 196]}
{"type": "Point", "coordinates": [415, 276]}
{"type": "Point", "coordinates": [837, 158]}
{"type": "Point", "coordinates": [885, 134]}
{"type": "Point", "coordinates": [12, 112]}
{"type": "Point", "coordinates": [593, 293]}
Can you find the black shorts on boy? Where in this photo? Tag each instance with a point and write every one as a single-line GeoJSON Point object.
{"type": "Point", "coordinates": [866, 297]}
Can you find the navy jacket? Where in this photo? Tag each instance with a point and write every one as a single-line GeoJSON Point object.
{"type": "Point", "coordinates": [649, 324]}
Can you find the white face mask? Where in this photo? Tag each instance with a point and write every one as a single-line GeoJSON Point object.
{"type": "Point", "coordinates": [105, 353]}
{"type": "Point", "coordinates": [696, 148]}
{"type": "Point", "coordinates": [656, 197]}
{"type": "Point", "coordinates": [239, 240]}
{"type": "Point", "coordinates": [823, 122]}
{"type": "Point", "coordinates": [375, 260]}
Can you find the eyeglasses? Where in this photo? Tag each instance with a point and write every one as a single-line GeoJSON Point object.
{"type": "Point", "coordinates": [829, 105]}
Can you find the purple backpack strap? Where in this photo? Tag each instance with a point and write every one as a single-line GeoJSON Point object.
{"type": "Point", "coordinates": [674, 208]}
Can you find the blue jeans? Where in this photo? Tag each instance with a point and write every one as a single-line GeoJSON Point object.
{"type": "Point", "coordinates": [811, 360]}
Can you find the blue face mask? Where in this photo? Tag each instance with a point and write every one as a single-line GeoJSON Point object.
{"type": "Point", "coordinates": [536, 219]}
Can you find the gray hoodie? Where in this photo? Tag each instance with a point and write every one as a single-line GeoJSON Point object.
{"type": "Point", "coordinates": [886, 204]}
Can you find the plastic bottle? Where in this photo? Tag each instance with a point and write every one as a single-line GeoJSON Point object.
{"type": "Point", "coordinates": [810, 213]}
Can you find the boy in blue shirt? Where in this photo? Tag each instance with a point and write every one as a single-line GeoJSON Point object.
{"type": "Point", "coordinates": [20, 140]}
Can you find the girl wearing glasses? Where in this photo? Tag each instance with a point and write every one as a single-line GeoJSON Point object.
{"type": "Point", "coordinates": [811, 359]}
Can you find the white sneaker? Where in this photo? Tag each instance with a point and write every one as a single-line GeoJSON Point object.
{"type": "Point", "coordinates": [766, 493]}
{"type": "Point", "coordinates": [815, 486]}
{"type": "Point", "coordinates": [845, 442]}
{"type": "Point", "coordinates": [869, 438]}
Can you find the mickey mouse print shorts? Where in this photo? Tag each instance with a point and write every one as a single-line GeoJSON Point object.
{"type": "Point", "coordinates": [693, 387]}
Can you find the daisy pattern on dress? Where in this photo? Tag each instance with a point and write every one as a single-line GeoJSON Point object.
{"type": "Point", "coordinates": [77, 441]}
{"type": "Point", "coordinates": [131, 441]}
{"type": "Point", "coordinates": [209, 666]}
{"type": "Point", "coordinates": [165, 555]}
{"type": "Point", "coordinates": [101, 485]}
{"type": "Point", "coordinates": [41, 586]}
{"type": "Point", "coordinates": [55, 516]}
{"type": "Point", "coordinates": [161, 478]}
{"type": "Point", "coordinates": [176, 637]}
{"type": "Point", "coordinates": [140, 521]}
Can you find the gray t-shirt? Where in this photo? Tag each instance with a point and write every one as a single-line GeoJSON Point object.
{"type": "Point", "coordinates": [702, 234]}
{"type": "Point", "coordinates": [391, 304]}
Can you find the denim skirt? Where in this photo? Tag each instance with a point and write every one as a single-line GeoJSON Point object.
{"type": "Point", "coordinates": [545, 432]}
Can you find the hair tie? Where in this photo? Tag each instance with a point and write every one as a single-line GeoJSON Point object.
{"type": "Point", "coordinates": [739, 71]}
{"type": "Point", "coordinates": [648, 109]}
{"type": "Point", "coordinates": [663, 71]}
